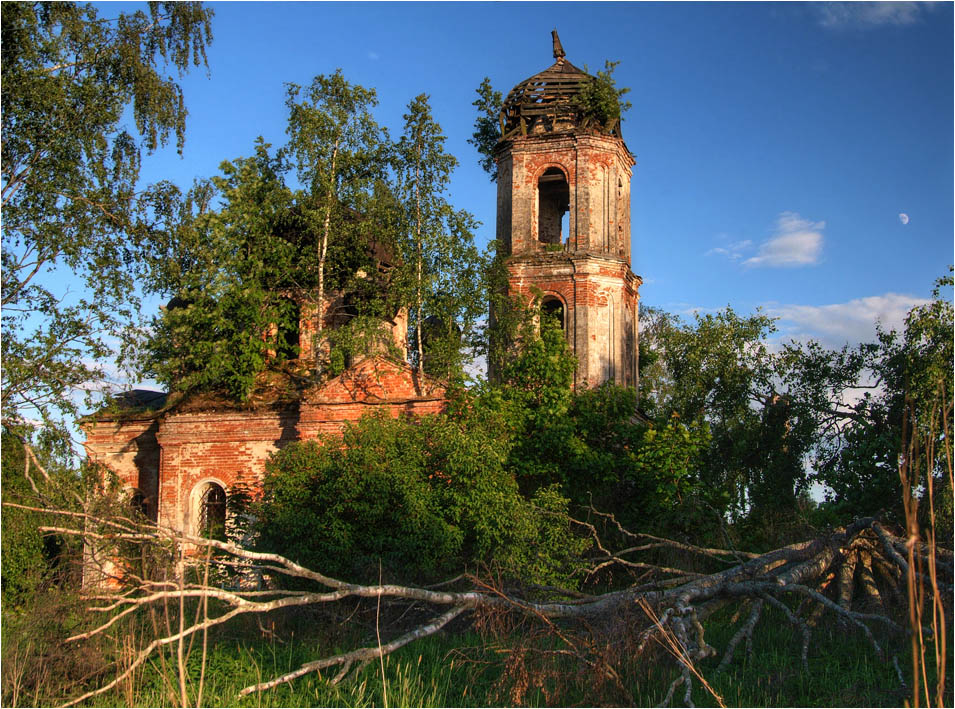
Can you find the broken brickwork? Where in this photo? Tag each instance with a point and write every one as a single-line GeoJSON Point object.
{"type": "Point", "coordinates": [563, 218]}
{"type": "Point", "coordinates": [171, 455]}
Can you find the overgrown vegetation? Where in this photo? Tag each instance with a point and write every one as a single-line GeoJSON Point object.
{"type": "Point", "coordinates": [598, 530]}
{"type": "Point", "coordinates": [601, 101]}
{"type": "Point", "coordinates": [487, 126]}
{"type": "Point", "coordinates": [371, 231]}
{"type": "Point", "coordinates": [600, 104]}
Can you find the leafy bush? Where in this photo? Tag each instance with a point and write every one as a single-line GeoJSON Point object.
{"type": "Point", "coordinates": [601, 99]}
{"type": "Point", "coordinates": [29, 561]}
{"type": "Point", "coordinates": [422, 497]}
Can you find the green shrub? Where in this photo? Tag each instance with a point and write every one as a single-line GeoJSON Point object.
{"type": "Point", "coordinates": [423, 497]}
{"type": "Point", "coordinates": [27, 560]}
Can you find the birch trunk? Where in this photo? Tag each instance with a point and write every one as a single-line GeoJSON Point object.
{"type": "Point", "coordinates": [323, 247]}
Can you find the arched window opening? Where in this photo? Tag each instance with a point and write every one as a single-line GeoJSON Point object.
{"type": "Point", "coordinates": [212, 512]}
{"type": "Point", "coordinates": [289, 336]}
{"type": "Point", "coordinates": [137, 503]}
{"type": "Point", "coordinates": [553, 309]}
{"type": "Point", "coordinates": [346, 310]}
{"type": "Point", "coordinates": [553, 202]}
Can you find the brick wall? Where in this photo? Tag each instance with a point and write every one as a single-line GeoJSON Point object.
{"type": "Point", "coordinates": [171, 457]}
{"type": "Point", "coordinates": [590, 273]}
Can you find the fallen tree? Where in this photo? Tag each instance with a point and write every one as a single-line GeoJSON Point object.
{"type": "Point", "coordinates": [857, 576]}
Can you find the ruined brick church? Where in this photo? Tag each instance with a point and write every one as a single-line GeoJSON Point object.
{"type": "Point", "coordinates": [563, 218]}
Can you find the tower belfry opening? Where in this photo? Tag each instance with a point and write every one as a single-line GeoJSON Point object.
{"type": "Point", "coordinates": [553, 308]}
{"type": "Point", "coordinates": [553, 202]}
{"type": "Point", "coordinates": [564, 217]}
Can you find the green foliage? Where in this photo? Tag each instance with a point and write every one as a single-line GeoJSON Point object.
{"type": "Point", "coordinates": [243, 254]}
{"type": "Point", "coordinates": [69, 177]}
{"type": "Point", "coordinates": [508, 314]}
{"type": "Point", "coordinates": [340, 155]}
{"type": "Point", "coordinates": [671, 455]}
{"type": "Point", "coordinates": [780, 420]}
{"type": "Point", "coordinates": [343, 507]}
{"type": "Point", "coordinates": [24, 564]}
{"type": "Point", "coordinates": [487, 126]}
{"type": "Point", "coordinates": [542, 371]}
{"type": "Point", "coordinates": [240, 269]}
{"type": "Point", "coordinates": [535, 392]}
{"type": "Point", "coordinates": [600, 100]}
{"type": "Point", "coordinates": [442, 276]}
{"type": "Point", "coordinates": [234, 271]}
{"type": "Point", "coordinates": [609, 437]}
{"type": "Point", "coordinates": [223, 266]}
{"type": "Point", "coordinates": [858, 452]}
{"type": "Point", "coordinates": [420, 496]}
{"type": "Point", "coordinates": [719, 371]}
{"type": "Point", "coordinates": [31, 561]}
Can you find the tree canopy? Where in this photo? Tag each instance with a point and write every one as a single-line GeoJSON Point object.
{"type": "Point", "coordinates": [71, 198]}
{"type": "Point", "coordinates": [367, 232]}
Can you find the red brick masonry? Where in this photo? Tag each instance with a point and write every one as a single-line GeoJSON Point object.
{"type": "Point", "coordinates": [170, 455]}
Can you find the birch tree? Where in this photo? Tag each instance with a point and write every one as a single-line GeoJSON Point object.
{"type": "Point", "coordinates": [339, 152]}
{"type": "Point", "coordinates": [442, 262]}
{"type": "Point", "coordinates": [84, 97]}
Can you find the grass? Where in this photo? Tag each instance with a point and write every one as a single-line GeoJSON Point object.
{"type": "Point", "coordinates": [456, 669]}
{"type": "Point", "coordinates": [843, 669]}
{"type": "Point", "coordinates": [418, 676]}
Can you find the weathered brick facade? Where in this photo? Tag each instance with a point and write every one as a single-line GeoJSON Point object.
{"type": "Point", "coordinates": [553, 160]}
{"type": "Point", "coordinates": [170, 455]}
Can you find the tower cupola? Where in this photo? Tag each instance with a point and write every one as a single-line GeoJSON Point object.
{"type": "Point", "coordinates": [563, 214]}
{"type": "Point", "coordinates": [555, 100]}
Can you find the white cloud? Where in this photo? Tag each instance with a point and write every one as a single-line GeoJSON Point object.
{"type": "Point", "coordinates": [797, 242]}
{"type": "Point", "coordinates": [373, 55]}
{"type": "Point", "coordinates": [733, 251]}
{"type": "Point", "coordinates": [853, 322]}
{"type": "Point", "coordinates": [868, 14]}
{"type": "Point", "coordinates": [903, 217]}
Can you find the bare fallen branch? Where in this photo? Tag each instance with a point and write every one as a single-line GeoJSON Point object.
{"type": "Point", "coordinates": [799, 581]}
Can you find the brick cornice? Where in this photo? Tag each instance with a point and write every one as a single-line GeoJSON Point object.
{"type": "Point", "coordinates": [538, 144]}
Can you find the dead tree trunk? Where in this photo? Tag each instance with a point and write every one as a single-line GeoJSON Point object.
{"type": "Point", "coordinates": [669, 607]}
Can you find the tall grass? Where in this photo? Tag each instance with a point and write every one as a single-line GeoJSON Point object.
{"type": "Point", "coordinates": [926, 604]}
{"type": "Point", "coordinates": [456, 670]}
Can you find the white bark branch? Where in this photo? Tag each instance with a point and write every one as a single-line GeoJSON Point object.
{"type": "Point", "coordinates": [677, 608]}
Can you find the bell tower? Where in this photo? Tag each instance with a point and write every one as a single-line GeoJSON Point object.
{"type": "Point", "coordinates": [563, 217]}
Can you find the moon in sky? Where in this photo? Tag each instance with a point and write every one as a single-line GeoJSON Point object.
{"type": "Point", "coordinates": [903, 217]}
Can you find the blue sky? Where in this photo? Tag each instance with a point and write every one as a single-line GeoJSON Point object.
{"type": "Point", "coordinates": [778, 144]}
